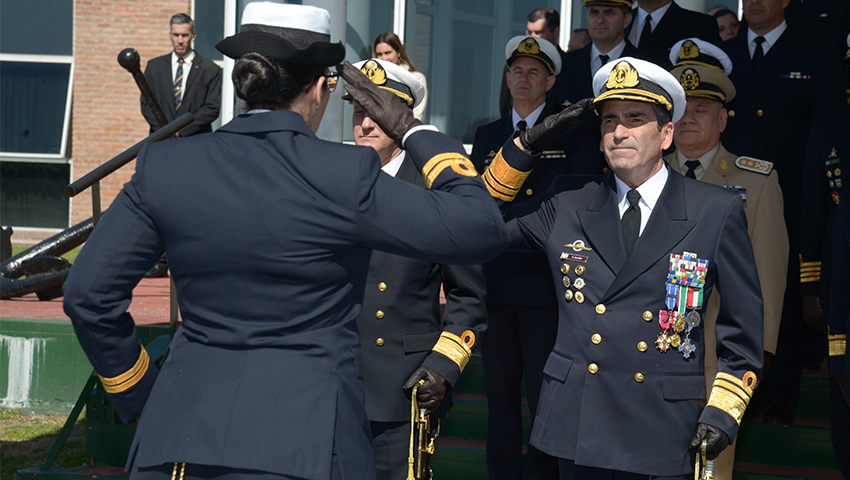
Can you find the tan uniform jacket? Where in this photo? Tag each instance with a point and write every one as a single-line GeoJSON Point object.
{"type": "Point", "coordinates": [766, 227]}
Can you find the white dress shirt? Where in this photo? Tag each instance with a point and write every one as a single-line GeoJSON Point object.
{"type": "Point", "coordinates": [530, 119]}
{"type": "Point", "coordinates": [770, 38]}
{"type": "Point", "coordinates": [596, 62]}
{"type": "Point", "coordinates": [187, 67]}
{"type": "Point", "coordinates": [649, 192]}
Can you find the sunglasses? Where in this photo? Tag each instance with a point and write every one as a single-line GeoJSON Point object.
{"type": "Point", "coordinates": [331, 80]}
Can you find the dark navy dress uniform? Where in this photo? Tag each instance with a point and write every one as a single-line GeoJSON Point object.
{"type": "Point", "coordinates": [773, 110]}
{"type": "Point", "coordinates": [269, 256]}
{"type": "Point", "coordinates": [610, 399]}
{"type": "Point", "coordinates": [829, 19]}
{"type": "Point", "coordinates": [839, 326]}
{"type": "Point", "coordinates": [823, 186]}
{"type": "Point", "coordinates": [521, 304]}
{"type": "Point", "coordinates": [402, 328]}
{"type": "Point", "coordinates": [676, 24]}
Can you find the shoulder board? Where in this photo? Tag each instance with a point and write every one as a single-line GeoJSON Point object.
{"type": "Point", "coordinates": [754, 165]}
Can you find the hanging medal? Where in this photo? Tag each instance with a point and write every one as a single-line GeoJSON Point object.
{"type": "Point", "coordinates": [685, 283]}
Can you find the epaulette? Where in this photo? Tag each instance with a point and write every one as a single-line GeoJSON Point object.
{"type": "Point", "coordinates": [754, 165]}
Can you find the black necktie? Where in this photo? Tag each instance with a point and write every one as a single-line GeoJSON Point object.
{"type": "Point", "coordinates": [521, 125]}
{"type": "Point", "coordinates": [692, 166]}
{"type": "Point", "coordinates": [604, 59]}
{"type": "Point", "coordinates": [646, 32]}
{"type": "Point", "coordinates": [759, 53]}
{"type": "Point", "coordinates": [631, 221]}
{"type": "Point", "coordinates": [178, 85]}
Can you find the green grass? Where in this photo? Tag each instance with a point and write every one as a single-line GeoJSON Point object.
{"type": "Point", "coordinates": [70, 256]}
{"type": "Point", "coordinates": [25, 441]}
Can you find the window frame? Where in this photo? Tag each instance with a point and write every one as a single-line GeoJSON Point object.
{"type": "Point", "coordinates": [62, 156]}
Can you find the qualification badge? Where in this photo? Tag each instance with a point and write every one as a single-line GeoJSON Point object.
{"type": "Point", "coordinates": [685, 284]}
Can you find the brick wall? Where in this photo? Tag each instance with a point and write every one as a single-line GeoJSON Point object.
{"type": "Point", "coordinates": [106, 117]}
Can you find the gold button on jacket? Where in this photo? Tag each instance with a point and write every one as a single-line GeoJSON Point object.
{"type": "Point", "coordinates": [382, 287]}
{"type": "Point", "coordinates": [529, 192]}
{"type": "Point", "coordinates": [379, 314]}
{"type": "Point", "coordinates": [592, 368]}
{"type": "Point", "coordinates": [759, 112]}
{"type": "Point", "coordinates": [639, 377]}
{"type": "Point", "coordinates": [642, 346]}
{"type": "Point", "coordinates": [600, 309]}
{"type": "Point", "coordinates": [596, 338]}
{"type": "Point", "coordinates": [379, 342]}
{"type": "Point", "coordinates": [647, 315]}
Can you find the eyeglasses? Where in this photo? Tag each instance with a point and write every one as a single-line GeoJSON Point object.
{"type": "Point", "coordinates": [331, 80]}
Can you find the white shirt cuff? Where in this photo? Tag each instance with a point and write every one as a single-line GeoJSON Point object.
{"type": "Point", "coordinates": [417, 129]}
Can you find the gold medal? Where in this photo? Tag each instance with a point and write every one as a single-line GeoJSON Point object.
{"type": "Point", "coordinates": [580, 270]}
{"type": "Point", "coordinates": [680, 324]}
{"type": "Point", "coordinates": [565, 269]}
{"type": "Point", "coordinates": [675, 340]}
{"type": "Point", "coordinates": [579, 297]}
{"type": "Point", "coordinates": [568, 295]}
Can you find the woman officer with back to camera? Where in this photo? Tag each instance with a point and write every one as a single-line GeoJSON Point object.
{"type": "Point", "coordinates": [269, 231]}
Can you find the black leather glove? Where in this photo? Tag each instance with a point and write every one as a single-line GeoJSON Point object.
{"type": "Point", "coordinates": [537, 137]}
{"type": "Point", "coordinates": [384, 107]}
{"type": "Point", "coordinates": [715, 440]}
{"type": "Point", "coordinates": [812, 312]}
{"type": "Point", "coordinates": [431, 392]}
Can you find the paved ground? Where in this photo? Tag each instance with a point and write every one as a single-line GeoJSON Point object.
{"type": "Point", "coordinates": [150, 304]}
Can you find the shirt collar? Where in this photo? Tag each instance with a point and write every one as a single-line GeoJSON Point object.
{"type": "Point", "coordinates": [614, 54]}
{"type": "Point", "coordinates": [393, 166]}
{"type": "Point", "coordinates": [649, 191]}
{"type": "Point", "coordinates": [186, 59]}
{"type": "Point", "coordinates": [530, 120]}
{"type": "Point", "coordinates": [770, 37]}
{"type": "Point", "coordinates": [704, 161]}
{"type": "Point", "coordinates": [656, 16]}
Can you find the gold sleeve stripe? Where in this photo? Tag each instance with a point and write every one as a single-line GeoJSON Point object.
{"type": "Point", "coordinates": [457, 349]}
{"type": "Point", "coordinates": [810, 264]}
{"type": "Point", "coordinates": [732, 388]}
{"type": "Point", "coordinates": [129, 378]}
{"type": "Point", "coordinates": [728, 402]}
{"type": "Point", "coordinates": [810, 279]}
{"type": "Point", "coordinates": [458, 163]}
{"type": "Point", "coordinates": [747, 384]}
{"type": "Point", "coordinates": [815, 268]}
{"type": "Point", "coordinates": [837, 345]}
{"type": "Point", "coordinates": [502, 180]}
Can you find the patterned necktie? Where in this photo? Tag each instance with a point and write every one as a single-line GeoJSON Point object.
{"type": "Point", "coordinates": [178, 85]}
{"type": "Point", "coordinates": [521, 125]}
{"type": "Point", "coordinates": [631, 221]}
{"type": "Point", "coordinates": [692, 166]}
{"type": "Point", "coordinates": [759, 53]}
{"type": "Point", "coordinates": [646, 32]}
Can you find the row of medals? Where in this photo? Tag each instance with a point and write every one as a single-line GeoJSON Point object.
{"type": "Point", "coordinates": [679, 323]}
{"type": "Point", "coordinates": [578, 284]}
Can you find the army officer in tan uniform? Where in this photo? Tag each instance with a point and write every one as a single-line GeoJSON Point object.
{"type": "Point", "coordinates": [701, 69]}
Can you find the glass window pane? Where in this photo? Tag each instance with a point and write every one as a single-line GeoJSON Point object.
{"type": "Point", "coordinates": [33, 96]}
{"type": "Point", "coordinates": [32, 194]}
{"type": "Point", "coordinates": [470, 100]}
{"type": "Point", "coordinates": [366, 20]}
{"type": "Point", "coordinates": [37, 27]}
{"type": "Point", "coordinates": [478, 7]}
{"type": "Point", "coordinates": [209, 25]}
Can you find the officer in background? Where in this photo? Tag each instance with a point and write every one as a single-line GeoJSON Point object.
{"type": "Point", "coordinates": [634, 253]}
{"type": "Point", "coordinates": [658, 24]}
{"type": "Point", "coordinates": [702, 70]}
{"type": "Point", "coordinates": [823, 187]}
{"type": "Point", "coordinates": [403, 337]}
{"type": "Point", "coordinates": [521, 306]}
{"type": "Point", "coordinates": [783, 79]}
{"type": "Point", "coordinates": [607, 21]}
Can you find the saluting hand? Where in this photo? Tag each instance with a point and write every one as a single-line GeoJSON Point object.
{"type": "Point", "coordinates": [394, 118]}
{"type": "Point", "coordinates": [539, 136]}
{"type": "Point", "coordinates": [715, 440]}
{"type": "Point", "coordinates": [431, 393]}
